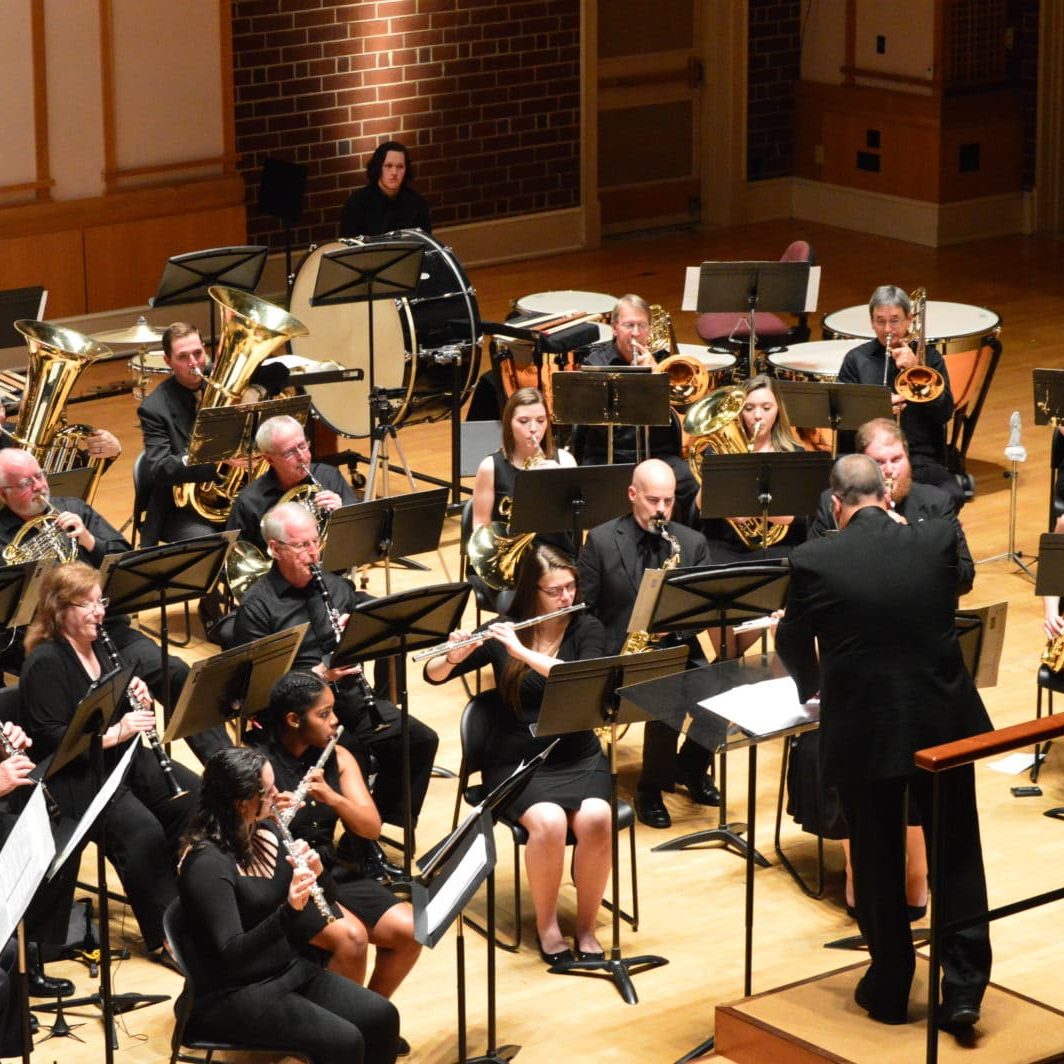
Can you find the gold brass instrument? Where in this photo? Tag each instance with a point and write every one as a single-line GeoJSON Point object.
{"type": "Point", "coordinates": [40, 537]}
{"type": "Point", "coordinates": [638, 640]}
{"type": "Point", "coordinates": [688, 377]}
{"type": "Point", "coordinates": [1053, 654]}
{"type": "Point", "coordinates": [57, 357]}
{"type": "Point", "coordinates": [252, 329]}
{"type": "Point", "coordinates": [919, 383]}
{"type": "Point", "coordinates": [716, 423]}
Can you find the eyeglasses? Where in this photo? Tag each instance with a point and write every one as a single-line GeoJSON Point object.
{"type": "Point", "coordinates": [295, 452]}
{"type": "Point", "coordinates": [103, 603]}
{"type": "Point", "coordinates": [558, 590]}
{"type": "Point", "coordinates": [300, 548]}
{"type": "Point", "coordinates": [25, 483]}
{"type": "Point", "coordinates": [634, 326]}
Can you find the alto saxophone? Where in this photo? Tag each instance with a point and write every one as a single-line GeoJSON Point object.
{"type": "Point", "coordinates": [1053, 654]}
{"type": "Point", "coordinates": [637, 641]}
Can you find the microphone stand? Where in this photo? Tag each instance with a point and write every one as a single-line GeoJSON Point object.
{"type": "Point", "coordinates": [1016, 453]}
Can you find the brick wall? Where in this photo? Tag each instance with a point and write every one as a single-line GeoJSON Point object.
{"type": "Point", "coordinates": [486, 94]}
{"type": "Point", "coordinates": [773, 69]}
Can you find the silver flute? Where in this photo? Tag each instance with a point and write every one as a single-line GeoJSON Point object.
{"type": "Point", "coordinates": [300, 860]}
{"type": "Point", "coordinates": [300, 793]}
{"type": "Point", "coordinates": [445, 648]}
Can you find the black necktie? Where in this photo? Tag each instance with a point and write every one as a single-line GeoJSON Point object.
{"type": "Point", "coordinates": [649, 550]}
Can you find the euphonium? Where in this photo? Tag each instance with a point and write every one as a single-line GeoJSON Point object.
{"type": "Point", "coordinates": [919, 383]}
{"type": "Point", "coordinates": [688, 379]}
{"type": "Point", "coordinates": [252, 329]}
{"type": "Point", "coordinates": [57, 357]}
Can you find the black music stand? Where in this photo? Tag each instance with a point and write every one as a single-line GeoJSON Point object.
{"type": "Point", "coordinates": [1049, 410]}
{"type": "Point", "coordinates": [629, 396]}
{"type": "Point", "coordinates": [828, 404]}
{"type": "Point", "coordinates": [582, 696]}
{"type": "Point", "coordinates": [744, 288]}
{"type": "Point", "coordinates": [71, 483]}
{"type": "Point", "coordinates": [155, 577]}
{"type": "Point", "coordinates": [234, 684]}
{"type": "Point", "coordinates": [385, 530]}
{"type": "Point", "coordinates": [187, 277]}
{"type": "Point", "coordinates": [570, 499]}
{"type": "Point", "coordinates": [364, 273]}
{"type": "Point", "coordinates": [20, 587]}
{"type": "Point", "coordinates": [391, 627]}
{"type": "Point", "coordinates": [719, 597]}
{"type": "Point", "coordinates": [767, 483]}
{"type": "Point", "coordinates": [1049, 583]}
{"type": "Point", "coordinates": [17, 304]}
{"type": "Point", "coordinates": [220, 433]}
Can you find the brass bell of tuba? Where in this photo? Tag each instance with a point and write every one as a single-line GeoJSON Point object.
{"type": "Point", "coordinates": [252, 329]}
{"type": "Point", "coordinates": [57, 357]}
{"type": "Point", "coordinates": [920, 383]}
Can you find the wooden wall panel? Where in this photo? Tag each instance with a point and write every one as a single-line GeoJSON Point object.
{"type": "Point", "coordinates": [50, 259]}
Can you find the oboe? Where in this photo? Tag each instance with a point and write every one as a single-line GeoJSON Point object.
{"type": "Point", "coordinates": [286, 815]}
{"type": "Point", "coordinates": [9, 751]}
{"type": "Point", "coordinates": [301, 863]}
{"type": "Point", "coordinates": [369, 700]}
{"type": "Point", "coordinates": [176, 790]}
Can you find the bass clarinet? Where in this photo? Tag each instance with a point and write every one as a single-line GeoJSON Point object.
{"type": "Point", "coordinates": [300, 793]}
{"type": "Point", "coordinates": [176, 790]}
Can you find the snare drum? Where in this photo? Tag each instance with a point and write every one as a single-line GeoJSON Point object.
{"type": "Point", "coordinates": [820, 360]}
{"type": "Point", "coordinates": [407, 333]}
{"type": "Point", "coordinates": [562, 303]}
{"type": "Point", "coordinates": [147, 368]}
{"type": "Point", "coordinates": [951, 327]}
{"type": "Point", "coordinates": [719, 364]}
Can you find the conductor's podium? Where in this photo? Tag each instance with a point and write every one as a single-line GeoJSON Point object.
{"type": "Point", "coordinates": [817, 1020]}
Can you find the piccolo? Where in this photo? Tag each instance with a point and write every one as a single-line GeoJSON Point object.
{"type": "Point", "coordinates": [286, 815]}
{"type": "Point", "coordinates": [444, 648]}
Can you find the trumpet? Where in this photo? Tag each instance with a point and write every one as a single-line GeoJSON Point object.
{"type": "Point", "coordinates": [157, 748]}
{"type": "Point", "coordinates": [316, 892]}
{"type": "Point", "coordinates": [444, 648]}
{"type": "Point", "coordinates": [9, 750]}
{"type": "Point", "coordinates": [286, 816]}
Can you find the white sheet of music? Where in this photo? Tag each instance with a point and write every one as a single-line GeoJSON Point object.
{"type": "Point", "coordinates": [763, 708]}
{"type": "Point", "coordinates": [473, 863]}
{"type": "Point", "coordinates": [103, 796]}
{"type": "Point", "coordinates": [23, 862]}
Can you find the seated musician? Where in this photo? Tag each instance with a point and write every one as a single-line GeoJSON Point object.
{"type": "Point", "coordinates": [302, 723]}
{"type": "Point", "coordinates": [282, 442]}
{"type": "Point", "coordinates": [387, 201]}
{"type": "Point", "coordinates": [872, 362]}
{"type": "Point", "coordinates": [144, 821]}
{"type": "Point", "coordinates": [243, 901]}
{"type": "Point", "coordinates": [287, 596]}
{"type": "Point", "coordinates": [571, 790]}
{"type": "Point", "coordinates": [630, 320]}
{"type": "Point", "coordinates": [611, 566]}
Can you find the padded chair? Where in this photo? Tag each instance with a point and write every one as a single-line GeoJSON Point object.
{"type": "Point", "coordinates": [474, 730]}
{"type": "Point", "coordinates": [184, 1036]}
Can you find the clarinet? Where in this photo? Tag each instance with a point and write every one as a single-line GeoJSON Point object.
{"type": "Point", "coordinates": [8, 747]}
{"type": "Point", "coordinates": [287, 815]}
{"type": "Point", "coordinates": [369, 700]}
{"type": "Point", "coordinates": [316, 892]}
{"type": "Point", "coordinates": [176, 790]}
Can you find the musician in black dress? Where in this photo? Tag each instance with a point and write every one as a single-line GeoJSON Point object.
{"type": "Point", "coordinates": [144, 823]}
{"type": "Point", "coordinates": [571, 790]}
{"type": "Point", "coordinates": [302, 723]}
{"type": "Point", "coordinates": [386, 202]}
{"type": "Point", "coordinates": [244, 906]}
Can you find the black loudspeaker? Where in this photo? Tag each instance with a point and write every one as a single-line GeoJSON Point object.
{"type": "Point", "coordinates": [283, 188]}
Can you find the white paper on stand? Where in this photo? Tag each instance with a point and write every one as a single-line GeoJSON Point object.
{"type": "Point", "coordinates": [763, 708]}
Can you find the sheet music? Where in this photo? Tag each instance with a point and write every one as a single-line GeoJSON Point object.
{"type": "Point", "coordinates": [103, 796]}
{"type": "Point", "coordinates": [763, 708]}
{"type": "Point", "coordinates": [467, 872]}
{"type": "Point", "coordinates": [24, 861]}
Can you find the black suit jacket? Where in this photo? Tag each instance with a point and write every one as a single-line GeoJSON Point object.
{"type": "Point", "coordinates": [610, 573]}
{"type": "Point", "coordinates": [923, 502]}
{"type": "Point", "coordinates": [878, 599]}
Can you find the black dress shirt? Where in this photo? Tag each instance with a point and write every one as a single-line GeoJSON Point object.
{"type": "Point", "coordinates": [369, 212]}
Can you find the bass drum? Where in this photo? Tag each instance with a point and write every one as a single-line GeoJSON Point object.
{"type": "Point", "coordinates": [407, 334]}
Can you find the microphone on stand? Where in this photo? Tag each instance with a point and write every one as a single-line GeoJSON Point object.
{"type": "Point", "coordinates": [1014, 449]}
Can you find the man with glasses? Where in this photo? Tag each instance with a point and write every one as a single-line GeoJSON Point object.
{"type": "Point", "coordinates": [286, 596]}
{"type": "Point", "coordinates": [282, 442]}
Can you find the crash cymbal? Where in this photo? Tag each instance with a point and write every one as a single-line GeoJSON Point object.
{"type": "Point", "coordinates": [141, 333]}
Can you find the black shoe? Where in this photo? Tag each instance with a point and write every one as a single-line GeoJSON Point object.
{"type": "Point", "coordinates": [402, 1047]}
{"type": "Point", "coordinates": [917, 912]}
{"type": "Point", "coordinates": [35, 1025]}
{"type": "Point", "coordinates": [863, 998]}
{"type": "Point", "coordinates": [590, 955]}
{"type": "Point", "coordinates": [378, 867]}
{"type": "Point", "coordinates": [163, 956]}
{"type": "Point", "coordinates": [700, 787]}
{"type": "Point", "coordinates": [958, 1015]}
{"type": "Point", "coordinates": [651, 809]}
{"type": "Point", "coordinates": [42, 985]}
{"type": "Point", "coordinates": [565, 956]}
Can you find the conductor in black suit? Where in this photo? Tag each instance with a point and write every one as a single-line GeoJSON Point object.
{"type": "Point", "coordinates": [611, 567]}
{"type": "Point", "coordinates": [878, 599]}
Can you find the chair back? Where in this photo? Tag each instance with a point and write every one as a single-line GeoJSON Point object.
{"type": "Point", "coordinates": [799, 251]}
{"type": "Point", "coordinates": [141, 496]}
{"type": "Point", "coordinates": [474, 729]}
{"type": "Point", "coordinates": [10, 705]}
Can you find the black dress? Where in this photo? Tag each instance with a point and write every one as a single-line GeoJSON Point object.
{"type": "Point", "coordinates": [576, 769]}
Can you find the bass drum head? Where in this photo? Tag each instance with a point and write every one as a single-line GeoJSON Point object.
{"type": "Point", "coordinates": [340, 333]}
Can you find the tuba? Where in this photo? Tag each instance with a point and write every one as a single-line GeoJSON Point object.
{"type": "Point", "coordinates": [715, 423]}
{"type": "Point", "coordinates": [252, 329]}
{"type": "Point", "coordinates": [57, 357]}
{"type": "Point", "coordinates": [919, 383]}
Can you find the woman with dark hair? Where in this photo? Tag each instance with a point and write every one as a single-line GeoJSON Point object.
{"type": "Point", "coordinates": [245, 905]}
{"type": "Point", "coordinates": [144, 825]}
{"type": "Point", "coordinates": [386, 202]}
{"type": "Point", "coordinates": [571, 790]}
{"type": "Point", "coordinates": [302, 723]}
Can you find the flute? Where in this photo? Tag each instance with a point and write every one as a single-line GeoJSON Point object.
{"type": "Point", "coordinates": [286, 815]}
{"type": "Point", "coordinates": [444, 648]}
{"type": "Point", "coordinates": [300, 860]}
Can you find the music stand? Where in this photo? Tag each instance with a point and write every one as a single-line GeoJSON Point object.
{"type": "Point", "coordinates": [828, 404]}
{"type": "Point", "coordinates": [17, 304]}
{"type": "Point", "coordinates": [20, 587]}
{"type": "Point", "coordinates": [719, 596]}
{"type": "Point", "coordinates": [222, 432]}
{"type": "Point", "coordinates": [631, 396]}
{"type": "Point", "coordinates": [233, 684]}
{"type": "Point", "coordinates": [391, 627]}
{"type": "Point", "coordinates": [187, 277]}
{"type": "Point", "coordinates": [364, 273]}
{"type": "Point", "coordinates": [582, 696]}
{"type": "Point", "coordinates": [155, 577]}
{"type": "Point", "coordinates": [385, 530]}
{"type": "Point", "coordinates": [71, 483]}
{"type": "Point", "coordinates": [569, 500]}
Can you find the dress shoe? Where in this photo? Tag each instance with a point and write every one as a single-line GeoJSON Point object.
{"type": "Point", "coordinates": [917, 912]}
{"type": "Point", "coordinates": [863, 998]}
{"type": "Point", "coordinates": [564, 956]}
{"type": "Point", "coordinates": [958, 1015]}
{"type": "Point", "coordinates": [590, 954]}
{"type": "Point", "coordinates": [42, 985]}
{"type": "Point", "coordinates": [651, 809]}
{"type": "Point", "coordinates": [378, 867]}
{"type": "Point", "coordinates": [402, 1047]}
{"type": "Point", "coordinates": [701, 788]}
